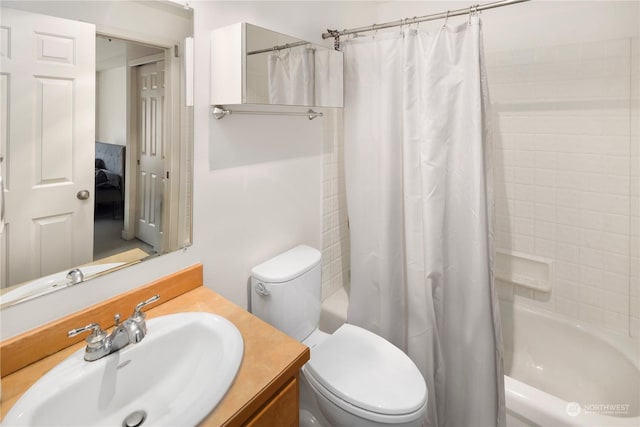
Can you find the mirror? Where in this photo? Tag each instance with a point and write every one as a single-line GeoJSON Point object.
{"type": "Point", "coordinates": [255, 65]}
{"type": "Point", "coordinates": [96, 140]}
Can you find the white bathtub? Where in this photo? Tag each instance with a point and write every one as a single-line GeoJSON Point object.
{"type": "Point", "coordinates": [559, 372]}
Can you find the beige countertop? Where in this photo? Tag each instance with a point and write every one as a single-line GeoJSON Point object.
{"type": "Point", "coordinates": [270, 359]}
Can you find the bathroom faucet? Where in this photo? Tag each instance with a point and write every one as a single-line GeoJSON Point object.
{"type": "Point", "coordinates": [75, 276]}
{"type": "Point", "coordinates": [131, 331]}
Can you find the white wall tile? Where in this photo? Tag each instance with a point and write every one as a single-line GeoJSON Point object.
{"type": "Point", "coordinates": [524, 175]}
{"type": "Point", "coordinates": [614, 223]}
{"type": "Point", "coordinates": [523, 209]}
{"type": "Point", "coordinates": [567, 187]}
{"type": "Point", "coordinates": [545, 248]}
{"type": "Point", "coordinates": [634, 307]}
{"type": "Point", "coordinates": [568, 252]}
{"type": "Point", "coordinates": [618, 303]}
{"type": "Point", "coordinates": [616, 165]}
{"type": "Point", "coordinates": [545, 177]}
{"type": "Point", "coordinates": [567, 289]}
{"type": "Point", "coordinates": [591, 314]}
{"type": "Point", "coordinates": [335, 232]}
{"type": "Point", "coordinates": [545, 230]}
{"type": "Point", "coordinates": [616, 282]}
{"type": "Point", "coordinates": [615, 321]}
{"type": "Point", "coordinates": [524, 192]}
{"type": "Point", "coordinates": [523, 226]}
{"type": "Point", "coordinates": [591, 279]}
{"type": "Point", "coordinates": [615, 263]}
{"type": "Point", "coordinates": [567, 307]}
{"type": "Point", "coordinates": [543, 208]}
{"type": "Point", "coordinates": [520, 243]}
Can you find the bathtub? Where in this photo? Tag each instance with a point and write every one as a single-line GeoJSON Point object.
{"type": "Point", "coordinates": [561, 373]}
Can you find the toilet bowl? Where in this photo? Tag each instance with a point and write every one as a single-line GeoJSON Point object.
{"type": "Point", "coordinates": [354, 377]}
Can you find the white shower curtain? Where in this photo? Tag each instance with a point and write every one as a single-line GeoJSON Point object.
{"type": "Point", "coordinates": [418, 179]}
{"type": "Point", "coordinates": [291, 76]}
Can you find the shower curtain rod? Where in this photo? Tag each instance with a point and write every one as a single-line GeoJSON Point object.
{"type": "Point", "coordinates": [281, 47]}
{"type": "Point", "coordinates": [417, 19]}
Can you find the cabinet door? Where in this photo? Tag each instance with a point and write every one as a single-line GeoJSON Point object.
{"type": "Point", "coordinates": [281, 410]}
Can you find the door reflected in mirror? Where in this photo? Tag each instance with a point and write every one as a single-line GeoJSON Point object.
{"type": "Point", "coordinates": [96, 152]}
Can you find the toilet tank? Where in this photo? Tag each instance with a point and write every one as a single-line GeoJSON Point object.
{"type": "Point", "coordinates": [285, 291]}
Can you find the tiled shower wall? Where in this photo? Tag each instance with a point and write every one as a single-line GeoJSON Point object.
{"type": "Point", "coordinates": [566, 176]}
{"type": "Point", "coordinates": [335, 224]}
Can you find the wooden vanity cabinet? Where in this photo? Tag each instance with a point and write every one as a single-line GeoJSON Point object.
{"type": "Point", "coordinates": [280, 410]}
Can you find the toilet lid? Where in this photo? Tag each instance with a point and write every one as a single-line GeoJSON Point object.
{"type": "Point", "coordinates": [367, 371]}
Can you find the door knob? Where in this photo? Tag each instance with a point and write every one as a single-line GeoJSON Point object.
{"type": "Point", "coordinates": [83, 194]}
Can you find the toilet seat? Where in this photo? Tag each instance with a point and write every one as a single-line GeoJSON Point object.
{"type": "Point", "coordinates": [366, 375]}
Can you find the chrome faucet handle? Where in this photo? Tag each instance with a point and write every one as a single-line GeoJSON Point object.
{"type": "Point", "coordinates": [94, 327]}
{"type": "Point", "coordinates": [143, 304]}
{"type": "Point", "coordinates": [95, 339]}
{"type": "Point", "coordinates": [137, 325]}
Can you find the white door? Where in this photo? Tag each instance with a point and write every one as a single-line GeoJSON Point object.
{"type": "Point", "coordinates": [151, 153]}
{"type": "Point", "coordinates": [48, 97]}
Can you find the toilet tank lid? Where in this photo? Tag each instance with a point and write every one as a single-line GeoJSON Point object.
{"type": "Point", "coordinates": [288, 265]}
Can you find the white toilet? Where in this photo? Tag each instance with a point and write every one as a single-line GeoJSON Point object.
{"type": "Point", "coordinates": [354, 377]}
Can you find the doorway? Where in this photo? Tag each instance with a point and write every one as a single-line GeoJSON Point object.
{"type": "Point", "coordinates": [123, 129]}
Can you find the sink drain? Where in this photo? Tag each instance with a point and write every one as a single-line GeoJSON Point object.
{"type": "Point", "coordinates": [134, 419]}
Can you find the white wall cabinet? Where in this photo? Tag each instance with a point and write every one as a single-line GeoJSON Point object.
{"type": "Point", "coordinates": [253, 65]}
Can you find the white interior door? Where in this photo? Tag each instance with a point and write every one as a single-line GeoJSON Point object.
{"type": "Point", "coordinates": [151, 153]}
{"type": "Point", "coordinates": [48, 98]}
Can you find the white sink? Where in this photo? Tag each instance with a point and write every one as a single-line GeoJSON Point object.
{"type": "Point", "coordinates": [177, 374]}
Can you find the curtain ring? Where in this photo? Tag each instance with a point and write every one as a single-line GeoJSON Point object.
{"type": "Point", "coordinates": [446, 19]}
{"type": "Point", "coordinates": [470, 12]}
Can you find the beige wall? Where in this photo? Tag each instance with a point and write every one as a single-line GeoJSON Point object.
{"type": "Point", "coordinates": [111, 105]}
